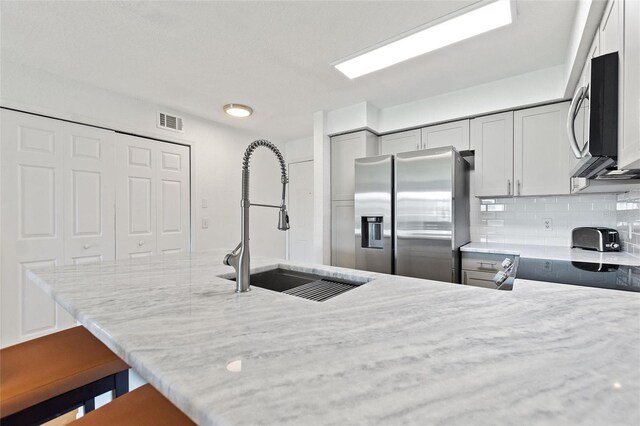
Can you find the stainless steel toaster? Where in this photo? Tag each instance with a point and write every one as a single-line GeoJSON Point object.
{"type": "Point", "coordinates": [594, 238]}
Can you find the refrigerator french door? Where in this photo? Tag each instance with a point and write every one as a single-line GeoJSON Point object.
{"type": "Point", "coordinates": [412, 213]}
{"type": "Point", "coordinates": [431, 213]}
{"type": "Point", "coordinates": [374, 213]}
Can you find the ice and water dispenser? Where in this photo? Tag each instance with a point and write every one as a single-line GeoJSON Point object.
{"type": "Point", "coordinates": [372, 232]}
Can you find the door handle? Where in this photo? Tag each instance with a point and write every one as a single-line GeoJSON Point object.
{"type": "Point", "coordinates": [508, 186]}
{"type": "Point", "coordinates": [140, 243]}
{"type": "Point", "coordinates": [86, 246]}
{"type": "Point", "coordinates": [581, 94]}
{"type": "Point", "coordinates": [518, 181]}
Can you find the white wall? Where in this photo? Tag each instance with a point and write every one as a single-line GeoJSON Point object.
{"type": "Point", "coordinates": [532, 88]}
{"type": "Point", "coordinates": [299, 149]}
{"type": "Point", "coordinates": [541, 86]}
{"type": "Point", "coordinates": [216, 159]}
{"type": "Point", "coordinates": [354, 117]}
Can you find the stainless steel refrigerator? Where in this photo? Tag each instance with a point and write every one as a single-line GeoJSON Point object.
{"type": "Point", "coordinates": [412, 213]}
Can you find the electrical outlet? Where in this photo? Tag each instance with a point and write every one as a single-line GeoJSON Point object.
{"type": "Point", "coordinates": [547, 224]}
{"type": "Point", "coordinates": [205, 223]}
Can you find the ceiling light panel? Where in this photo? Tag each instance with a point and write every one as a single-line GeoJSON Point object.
{"type": "Point", "coordinates": [444, 33]}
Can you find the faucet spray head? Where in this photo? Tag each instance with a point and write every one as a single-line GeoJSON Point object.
{"type": "Point", "coordinates": [283, 219]}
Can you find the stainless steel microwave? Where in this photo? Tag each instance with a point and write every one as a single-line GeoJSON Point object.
{"type": "Point", "coordinates": [592, 123]}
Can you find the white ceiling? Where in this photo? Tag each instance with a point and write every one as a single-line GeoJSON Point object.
{"type": "Point", "coordinates": [274, 56]}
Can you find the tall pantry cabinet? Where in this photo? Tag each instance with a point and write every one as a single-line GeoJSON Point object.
{"type": "Point", "coordinates": [344, 150]}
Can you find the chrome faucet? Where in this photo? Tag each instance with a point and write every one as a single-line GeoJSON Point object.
{"type": "Point", "coordinates": [239, 258]}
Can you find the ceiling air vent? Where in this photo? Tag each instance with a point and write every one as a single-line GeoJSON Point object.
{"type": "Point", "coordinates": [170, 122]}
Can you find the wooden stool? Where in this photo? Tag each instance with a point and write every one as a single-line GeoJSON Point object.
{"type": "Point", "coordinates": [46, 377]}
{"type": "Point", "coordinates": [140, 407]}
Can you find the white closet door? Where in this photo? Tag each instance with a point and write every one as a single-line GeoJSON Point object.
{"type": "Point", "coordinates": [32, 225]}
{"type": "Point", "coordinates": [135, 198]}
{"type": "Point", "coordinates": [152, 198]}
{"type": "Point", "coordinates": [301, 211]}
{"type": "Point", "coordinates": [89, 194]}
{"type": "Point", "coordinates": [173, 198]}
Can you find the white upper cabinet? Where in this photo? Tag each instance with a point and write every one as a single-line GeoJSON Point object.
{"type": "Point", "coordinates": [344, 150]}
{"type": "Point", "coordinates": [454, 134]}
{"type": "Point", "coordinates": [492, 139]}
{"type": "Point", "coordinates": [522, 153]}
{"type": "Point", "coordinates": [629, 113]}
{"type": "Point", "coordinates": [541, 150]}
{"type": "Point", "coordinates": [411, 140]}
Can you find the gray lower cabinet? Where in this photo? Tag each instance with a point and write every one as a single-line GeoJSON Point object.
{"type": "Point", "coordinates": [478, 269]}
{"type": "Point", "coordinates": [478, 279]}
{"type": "Point", "coordinates": [344, 150]}
{"type": "Point", "coordinates": [343, 246]}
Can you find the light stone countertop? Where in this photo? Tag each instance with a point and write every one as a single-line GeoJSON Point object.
{"type": "Point", "coordinates": [393, 351]}
{"type": "Point", "coordinates": [553, 253]}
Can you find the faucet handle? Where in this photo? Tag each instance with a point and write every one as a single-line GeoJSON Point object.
{"type": "Point", "coordinates": [229, 257]}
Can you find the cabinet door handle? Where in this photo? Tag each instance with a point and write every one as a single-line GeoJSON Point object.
{"type": "Point", "coordinates": [508, 186]}
{"type": "Point", "coordinates": [519, 192]}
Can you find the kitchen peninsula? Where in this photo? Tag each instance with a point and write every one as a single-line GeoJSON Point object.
{"type": "Point", "coordinates": [395, 350]}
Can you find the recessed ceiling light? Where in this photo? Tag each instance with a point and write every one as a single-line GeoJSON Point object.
{"type": "Point", "coordinates": [438, 34]}
{"type": "Point", "coordinates": [238, 110]}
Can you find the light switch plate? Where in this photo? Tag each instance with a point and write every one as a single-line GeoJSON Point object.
{"type": "Point", "coordinates": [205, 223]}
{"type": "Point", "coordinates": [547, 224]}
{"type": "Point", "coordinates": [204, 203]}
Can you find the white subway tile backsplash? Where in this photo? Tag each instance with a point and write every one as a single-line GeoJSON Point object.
{"type": "Point", "coordinates": [520, 220]}
{"type": "Point", "coordinates": [628, 221]}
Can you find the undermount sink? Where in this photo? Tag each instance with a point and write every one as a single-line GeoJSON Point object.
{"type": "Point", "coordinates": [301, 284]}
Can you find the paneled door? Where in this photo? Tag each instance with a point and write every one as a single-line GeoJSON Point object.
{"type": "Point", "coordinates": [152, 198]}
{"type": "Point", "coordinates": [173, 210]}
{"type": "Point", "coordinates": [89, 195]}
{"type": "Point", "coordinates": [301, 211]}
{"type": "Point", "coordinates": [57, 207]}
